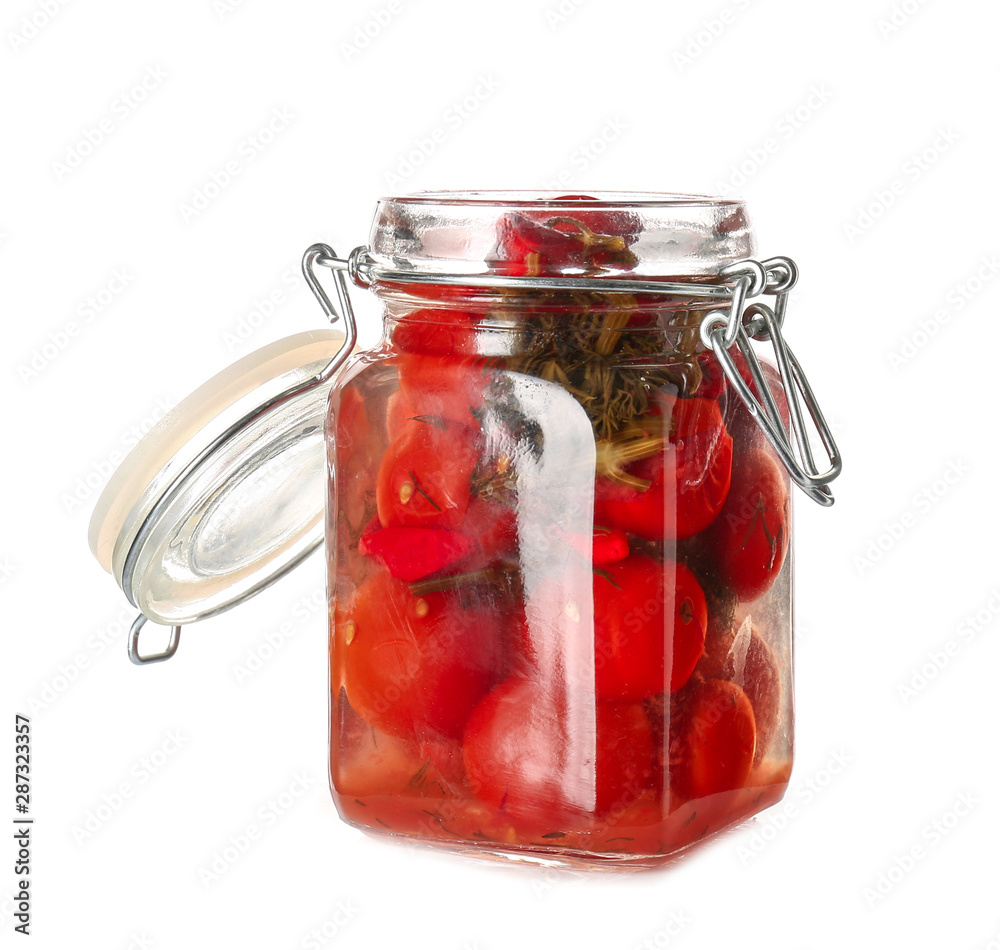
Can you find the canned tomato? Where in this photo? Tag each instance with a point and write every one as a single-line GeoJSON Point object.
{"type": "Point", "coordinates": [558, 520]}
{"type": "Point", "coordinates": [559, 541]}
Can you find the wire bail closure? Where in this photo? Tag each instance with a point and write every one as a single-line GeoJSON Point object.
{"type": "Point", "coordinates": [720, 331]}
{"type": "Point", "coordinates": [133, 644]}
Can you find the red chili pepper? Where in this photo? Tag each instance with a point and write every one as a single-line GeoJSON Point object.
{"type": "Point", "coordinates": [414, 553]}
{"type": "Point", "coordinates": [581, 240]}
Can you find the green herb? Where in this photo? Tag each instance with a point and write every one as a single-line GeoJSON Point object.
{"type": "Point", "coordinates": [590, 345]}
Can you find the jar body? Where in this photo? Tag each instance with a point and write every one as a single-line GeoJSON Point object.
{"type": "Point", "coordinates": [560, 580]}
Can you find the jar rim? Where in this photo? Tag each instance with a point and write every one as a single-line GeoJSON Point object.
{"type": "Point", "coordinates": [546, 198]}
{"type": "Point", "coordinates": [645, 233]}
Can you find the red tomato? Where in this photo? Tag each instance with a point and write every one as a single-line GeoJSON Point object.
{"type": "Point", "coordinates": [425, 476]}
{"type": "Point", "coordinates": [443, 332]}
{"type": "Point", "coordinates": [354, 453]}
{"type": "Point", "coordinates": [649, 628]}
{"type": "Point", "coordinates": [601, 547]}
{"type": "Point", "coordinates": [713, 379]}
{"type": "Point", "coordinates": [416, 665]}
{"type": "Point", "coordinates": [714, 384]}
{"type": "Point", "coordinates": [353, 428]}
{"type": "Point", "coordinates": [712, 738]}
{"type": "Point", "coordinates": [740, 424]}
{"type": "Point", "coordinates": [450, 388]}
{"type": "Point", "coordinates": [366, 761]}
{"type": "Point", "coordinates": [739, 654]}
{"type": "Point", "coordinates": [397, 413]}
{"type": "Point", "coordinates": [493, 526]}
{"type": "Point", "coordinates": [529, 758]}
{"type": "Point", "coordinates": [610, 546]}
{"type": "Point", "coordinates": [443, 765]}
{"type": "Point", "coordinates": [690, 478]}
{"type": "Point", "coordinates": [749, 539]}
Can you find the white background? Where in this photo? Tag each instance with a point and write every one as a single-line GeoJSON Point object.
{"type": "Point", "coordinates": [864, 136]}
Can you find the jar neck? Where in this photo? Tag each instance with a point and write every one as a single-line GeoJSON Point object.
{"type": "Point", "coordinates": [570, 338]}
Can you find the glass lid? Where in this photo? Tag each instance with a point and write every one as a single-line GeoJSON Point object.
{"type": "Point", "coordinates": [227, 493]}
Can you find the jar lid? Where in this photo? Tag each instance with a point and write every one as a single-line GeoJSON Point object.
{"type": "Point", "coordinates": [226, 493]}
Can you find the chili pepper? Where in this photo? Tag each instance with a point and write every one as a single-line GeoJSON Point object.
{"type": "Point", "coordinates": [529, 247]}
{"type": "Point", "coordinates": [413, 553]}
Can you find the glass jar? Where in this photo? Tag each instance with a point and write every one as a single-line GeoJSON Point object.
{"type": "Point", "coordinates": [558, 539]}
{"type": "Point", "coordinates": [557, 520]}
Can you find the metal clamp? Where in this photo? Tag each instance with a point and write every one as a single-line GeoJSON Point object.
{"type": "Point", "coordinates": [721, 331]}
{"type": "Point", "coordinates": [133, 644]}
{"type": "Point", "coordinates": [364, 271]}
